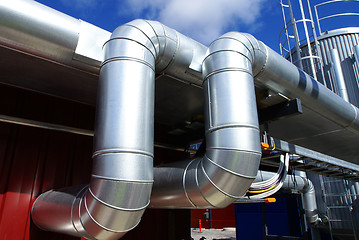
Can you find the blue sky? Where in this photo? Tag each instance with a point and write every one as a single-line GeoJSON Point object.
{"type": "Point", "coordinates": [203, 20]}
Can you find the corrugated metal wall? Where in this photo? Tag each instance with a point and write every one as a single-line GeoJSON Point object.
{"type": "Point", "coordinates": [34, 160]}
{"type": "Point", "coordinates": [344, 43]}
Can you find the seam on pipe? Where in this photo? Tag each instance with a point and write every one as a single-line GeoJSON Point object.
{"type": "Point", "coordinates": [237, 40]}
{"type": "Point", "coordinates": [219, 127]}
{"type": "Point", "coordinates": [227, 70]}
{"type": "Point", "coordinates": [122, 180]}
{"type": "Point", "coordinates": [234, 149]}
{"type": "Point", "coordinates": [355, 118]}
{"type": "Point", "coordinates": [210, 120]}
{"type": "Point", "coordinates": [128, 39]}
{"type": "Point", "coordinates": [178, 43]}
{"type": "Point", "coordinates": [184, 182]}
{"type": "Point", "coordinates": [119, 208]}
{"type": "Point", "coordinates": [72, 208]}
{"type": "Point", "coordinates": [154, 46]}
{"type": "Point", "coordinates": [164, 47]}
{"type": "Point", "coordinates": [196, 178]}
{"type": "Point", "coordinates": [228, 50]}
{"type": "Point", "coordinates": [100, 225]}
{"type": "Point", "coordinates": [114, 59]}
{"type": "Point", "coordinates": [119, 150]}
{"type": "Point", "coordinates": [230, 171]}
{"type": "Point", "coordinates": [218, 188]}
{"type": "Point", "coordinates": [80, 219]}
{"type": "Point", "coordinates": [157, 38]}
{"type": "Point", "coordinates": [265, 62]}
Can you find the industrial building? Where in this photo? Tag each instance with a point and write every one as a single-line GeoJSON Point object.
{"type": "Point", "coordinates": [97, 127]}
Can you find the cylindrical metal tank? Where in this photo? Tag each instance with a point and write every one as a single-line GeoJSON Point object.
{"type": "Point", "coordinates": [344, 41]}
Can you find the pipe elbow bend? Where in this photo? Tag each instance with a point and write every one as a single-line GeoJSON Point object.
{"type": "Point", "coordinates": [233, 149]}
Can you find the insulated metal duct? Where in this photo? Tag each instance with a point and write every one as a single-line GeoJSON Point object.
{"type": "Point", "coordinates": [37, 30]}
{"type": "Point", "coordinates": [233, 152]}
{"type": "Point", "coordinates": [122, 175]}
{"type": "Point", "coordinates": [302, 185]}
{"type": "Point", "coordinates": [279, 75]}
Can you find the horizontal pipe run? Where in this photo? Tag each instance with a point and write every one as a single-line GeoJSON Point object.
{"type": "Point", "coordinates": [78, 131]}
{"type": "Point", "coordinates": [279, 75]}
{"type": "Point", "coordinates": [37, 30]}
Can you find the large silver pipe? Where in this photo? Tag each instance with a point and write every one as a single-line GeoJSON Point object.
{"type": "Point", "coordinates": [302, 185]}
{"type": "Point", "coordinates": [276, 73]}
{"type": "Point", "coordinates": [35, 29]}
{"type": "Point", "coordinates": [339, 76]}
{"type": "Point", "coordinates": [233, 152]}
{"type": "Point", "coordinates": [122, 175]}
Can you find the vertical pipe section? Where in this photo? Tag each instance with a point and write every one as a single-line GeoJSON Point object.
{"type": "Point", "coordinates": [356, 59]}
{"type": "Point", "coordinates": [122, 175]}
{"type": "Point", "coordinates": [339, 76]}
{"type": "Point", "coordinates": [233, 151]}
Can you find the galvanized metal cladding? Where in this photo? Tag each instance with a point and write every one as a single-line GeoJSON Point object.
{"type": "Point", "coordinates": [123, 142]}
{"type": "Point", "coordinates": [232, 134]}
{"type": "Point", "coordinates": [123, 181]}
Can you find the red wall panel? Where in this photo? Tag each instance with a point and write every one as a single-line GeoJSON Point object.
{"type": "Point", "coordinates": [34, 160]}
{"type": "Point", "coordinates": [221, 218]}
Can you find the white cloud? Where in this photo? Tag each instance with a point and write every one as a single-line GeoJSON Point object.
{"type": "Point", "coordinates": [203, 20]}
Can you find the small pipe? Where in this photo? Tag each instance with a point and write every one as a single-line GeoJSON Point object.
{"type": "Point", "coordinates": [302, 185]}
{"type": "Point", "coordinates": [78, 131]}
{"type": "Point", "coordinates": [356, 59]}
{"type": "Point", "coordinates": [339, 76]}
{"type": "Point", "coordinates": [45, 125]}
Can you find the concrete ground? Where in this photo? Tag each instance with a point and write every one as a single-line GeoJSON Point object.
{"type": "Point", "coordinates": [213, 234]}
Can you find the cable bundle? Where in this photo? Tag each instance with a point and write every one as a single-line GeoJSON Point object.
{"type": "Point", "coordinates": [270, 186]}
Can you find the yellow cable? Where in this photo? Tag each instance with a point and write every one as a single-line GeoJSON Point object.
{"type": "Point", "coordinates": [273, 145]}
{"type": "Point", "coordinates": [262, 191]}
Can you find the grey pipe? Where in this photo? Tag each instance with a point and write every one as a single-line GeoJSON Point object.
{"type": "Point", "coordinates": [339, 76]}
{"type": "Point", "coordinates": [233, 151]}
{"type": "Point", "coordinates": [276, 73]}
{"type": "Point", "coordinates": [122, 175]}
{"type": "Point", "coordinates": [302, 185]}
{"type": "Point", "coordinates": [35, 29]}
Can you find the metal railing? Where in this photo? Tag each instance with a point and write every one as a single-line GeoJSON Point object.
{"type": "Point", "coordinates": [325, 17]}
